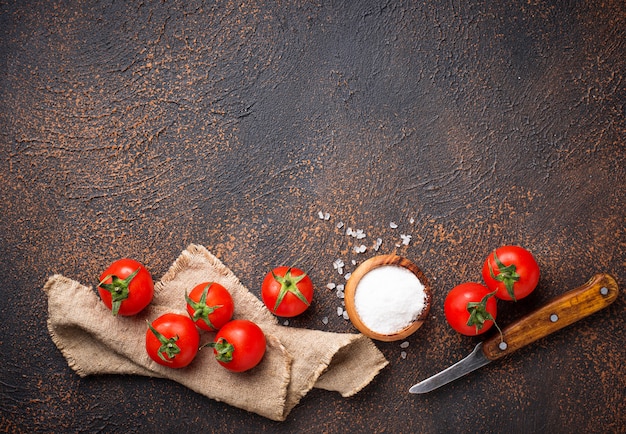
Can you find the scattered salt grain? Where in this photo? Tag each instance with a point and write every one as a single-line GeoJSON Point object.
{"type": "Point", "coordinates": [339, 225]}
{"type": "Point", "coordinates": [339, 310]}
{"type": "Point", "coordinates": [406, 239]}
{"type": "Point", "coordinates": [353, 262]}
{"type": "Point", "coordinates": [389, 298]}
{"type": "Point", "coordinates": [325, 320]}
{"type": "Point", "coordinates": [411, 220]}
{"type": "Point", "coordinates": [286, 322]}
{"type": "Point", "coordinates": [340, 287]}
{"type": "Point", "coordinates": [360, 249]}
{"type": "Point", "coordinates": [331, 286]}
{"type": "Point", "coordinates": [338, 265]}
{"type": "Point", "coordinates": [347, 276]}
{"type": "Point", "coordinates": [393, 225]}
{"type": "Point", "coordinates": [323, 215]}
{"type": "Point", "coordinates": [340, 294]}
{"type": "Point", "coordinates": [404, 344]}
{"type": "Point", "coordinates": [403, 354]}
{"type": "Point", "coordinates": [379, 243]}
{"type": "Point", "coordinates": [359, 234]}
{"type": "Point", "coordinates": [345, 315]}
{"type": "Point", "coordinates": [349, 231]}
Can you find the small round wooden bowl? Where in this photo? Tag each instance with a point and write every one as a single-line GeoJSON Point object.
{"type": "Point", "coordinates": [355, 278]}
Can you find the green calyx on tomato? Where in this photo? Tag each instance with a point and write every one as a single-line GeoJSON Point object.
{"type": "Point", "coordinates": [223, 350]}
{"type": "Point", "coordinates": [118, 288]}
{"type": "Point", "coordinates": [289, 283]}
{"type": "Point", "coordinates": [201, 310]}
{"type": "Point", "coordinates": [506, 274]}
{"type": "Point", "coordinates": [479, 314]}
{"type": "Point", "coordinates": [168, 346]}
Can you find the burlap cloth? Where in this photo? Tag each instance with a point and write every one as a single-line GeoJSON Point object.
{"type": "Point", "coordinates": [95, 342]}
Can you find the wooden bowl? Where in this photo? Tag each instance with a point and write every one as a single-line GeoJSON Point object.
{"type": "Point", "coordinates": [362, 270]}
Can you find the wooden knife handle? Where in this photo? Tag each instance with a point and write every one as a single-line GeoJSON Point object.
{"type": "Point", "coordinates": [599, 292]}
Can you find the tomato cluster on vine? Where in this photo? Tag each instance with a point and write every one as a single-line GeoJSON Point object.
{"type": "Point", "coordinates": [509, 273]}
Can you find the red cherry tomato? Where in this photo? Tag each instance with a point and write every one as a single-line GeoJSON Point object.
{"type": "Point", "coordinates": [239, 345]}
{"type": "Point", "coordinates": [126, 287]}
{"type": "Point", "coordinates": [287, 291]}
{"type": "Point", "coordinates": [172, 340]}
{"type": "Point", "coordinates": [470, 308]}
{"type": "Point", "coordinates": [511, 271]}
{"type": "Point", "coordinates": [210, 305]}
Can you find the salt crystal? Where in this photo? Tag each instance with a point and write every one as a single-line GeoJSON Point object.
{"type": "Point", "coordinates": [339, 311]}
{"type": "Point", "coordinates": [403, 354]}
{"type": "Point", "coordinates": [389, 298]}
{"type": "Point", "coordinates": [379, 243]}
{"type": "Point", "coordinates": [349, 231]}
{"type": "Point", "coordinates": [411, 220]}
{"type": "Point", "coordinates": [353, 262]}
{"type": "Point", "coordinates": [325, 320]}
{"type": "Point", "coordinates": [406, 239]}
{"type": "Point", "coordinates": [393, 225]}
{"type": "Point", "coordinates": [345, 315]}
{"type": "Point", "coordinates": [323, 216]}
{"type": "Point", "coordinates": [338, 265]}
{"type": "Point", "coordinates": [360, 249]}
{"type": "Point", "coordinates": [331, 286]}
{"type": "Point", "coordinates": [286, 322]}
{"type": "Point", "coordinates": [340, 294]}
{"type": "Point", "coordinates": [347, 276]}
{"type": "Point", "coordinates": [340, 287]}
{"type": "Point", "coordinates": [339, 225]}
{"type": "Point", "coordinates": [360, 234]}
{"type": "Point", "coordinates": [404, 344]}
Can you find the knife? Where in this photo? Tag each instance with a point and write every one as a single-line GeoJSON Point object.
{"type": "Point", "coordinates": [599, 292]}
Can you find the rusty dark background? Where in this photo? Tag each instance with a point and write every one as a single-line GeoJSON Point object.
{"type": "Point", "coordinates": [136, 128]}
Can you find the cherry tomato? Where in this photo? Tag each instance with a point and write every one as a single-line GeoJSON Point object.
{"type": "Point", "coordinates": [172, 340]}
{"type": "Point", "coordinates": [126, 287]}
{"type": "Point", "coordinates": [239, 345]}
{"type": "Point", "coordinates": [512, 272]}
{"type": "Point", "coordinates": [287, 291]}
{"type": "Point", "coordinates": [470, 308]}
{"type": "Point", "coordinates": [210, 305]}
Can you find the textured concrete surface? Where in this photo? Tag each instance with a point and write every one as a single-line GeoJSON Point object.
{"type": "Point", "coordinates": [136, 129]}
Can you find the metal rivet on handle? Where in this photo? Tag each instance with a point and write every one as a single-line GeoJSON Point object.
{"type": "Point", "coordinates": [503, 346]}
{"type": "Point", "coordinates": [554, 317]}
{"type": "Point", "coordinates": [604, 290]}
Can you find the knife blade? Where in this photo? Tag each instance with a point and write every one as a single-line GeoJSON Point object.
{"type": "Point", "coordinates": [596, 294]}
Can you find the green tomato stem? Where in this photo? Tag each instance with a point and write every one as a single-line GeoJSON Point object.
{"type": "Point", "coordinates": [507, 274]}
{"type": "Point", "coordinates": [223, 350]}
{"type": "Point", "coordinates": [479, 314]}
{"type": "Point", "coordinates": [289, 283]}
{"type": "Point", "coordinates": [118, 288]}
{"type": "Point", "coordinates": [168, 346]}
{"type": "Point", "coordinates": [201, 309]}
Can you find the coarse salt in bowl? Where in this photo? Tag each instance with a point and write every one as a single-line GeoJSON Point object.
{"type": "Point", "coordinates": [387, 298]}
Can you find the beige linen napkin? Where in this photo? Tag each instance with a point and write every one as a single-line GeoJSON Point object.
{"type": "Point", "coordinates": [95, 342]}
